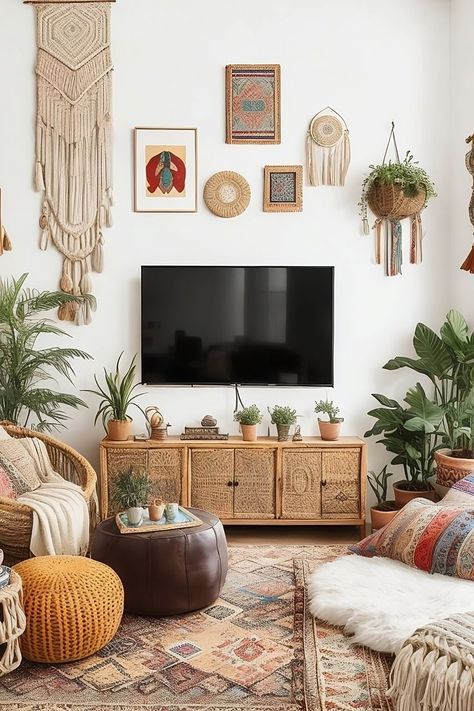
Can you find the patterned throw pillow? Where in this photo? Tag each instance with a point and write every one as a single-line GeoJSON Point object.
{"type": "Point", "coordinates": [461, 493]}
{"type": "Point", "coordinates": [18, 467]}
{"type": "Point", "coordinates": [424, 535]}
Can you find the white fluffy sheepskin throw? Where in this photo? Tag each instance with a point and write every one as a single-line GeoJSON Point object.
{"type": "Point", "coordinates": [381, 602]}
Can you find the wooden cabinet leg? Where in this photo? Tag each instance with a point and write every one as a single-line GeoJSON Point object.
{"type": "Point", "coordinates": [362, 531]}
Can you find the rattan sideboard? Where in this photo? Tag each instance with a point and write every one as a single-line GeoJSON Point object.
{"type": "Point", "coordinates": [258, 483]}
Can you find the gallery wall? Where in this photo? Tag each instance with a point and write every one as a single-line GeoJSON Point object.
{"type": "Point", "coordinates": [373, 61]}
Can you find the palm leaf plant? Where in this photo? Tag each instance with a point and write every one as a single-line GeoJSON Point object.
{"type": "Point", "coordinates": [116, 394]}
{"type": "Point", "coordinates": [27, 370]}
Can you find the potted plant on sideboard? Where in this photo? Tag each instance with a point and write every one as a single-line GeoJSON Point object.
{"type": "Point", "coordinates": [410, 433]}
{"type": "Point", "coordinates": [130, 493]}
{"type": "Point", "coordinates": [117, 397]}
{"type": "Point", "coordinates": [283, 417]}
{"type": "Point", "coordinates": [248, 418]}
{"type": "Point", "coordinates": [447, 360]}
{"type": "Point", "coordinates": [383, 511]}
{"type": "Point", "coordinates": [329, 429]}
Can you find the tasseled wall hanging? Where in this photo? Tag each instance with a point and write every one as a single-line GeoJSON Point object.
{"type": "Point", "coordinates": [328, 149]}
{"type": "Point", "coordinates": [390, 204]}
{"type": "Point", "coordinates": [73, 138]}
{"type": "Point", "coordinates": [468, 264]}
{"type": "Point", "coordinates": [5, 244]}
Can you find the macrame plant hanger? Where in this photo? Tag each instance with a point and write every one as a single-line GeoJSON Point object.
{"type": "Point", "coordinates": [328, 149]}
{"type": "Point", "coordinates": [468, 264]}
{"type": "Point", "coordinates": [74, 139]}
{"type": "Point", "coordinates": [5, 243]}
{"type": "Point", "coordinates": [391, 206]}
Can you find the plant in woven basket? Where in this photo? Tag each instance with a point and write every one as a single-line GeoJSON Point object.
{"type": "Point", "coordinates": [26, 368]}
{"type": "Point", "coordinates": [131, 488]}
{"type": "Point", "coordinates": [116, 399]}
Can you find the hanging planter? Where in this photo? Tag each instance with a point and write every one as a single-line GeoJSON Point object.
{"type": "Point", "coordinates": [395, 191]}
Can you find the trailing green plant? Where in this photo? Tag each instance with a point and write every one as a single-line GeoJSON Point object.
{"type": "Point", "coordinates": [379, 484]}
{"type": "Point", "coordinates": [248, 415]}
{"type": "Point", "coordinates": [447, 360]}
{"type": "Point", "coordinates": [27, 369]}
{"type": "Point", "coordinates": [282, 415]}
{"type": "Point", "coordinates": [117, 393]}
{"type": "Point", "coordinates": [406, 173]}
{"type": "Point", "coordinates": [131, 488]}
{"type": "Point", "coordinates": [327, 407]}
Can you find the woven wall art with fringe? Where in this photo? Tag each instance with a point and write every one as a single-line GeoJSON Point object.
{"type": "Point", "coordinates": [5, 244]}
{"type": "Point", "coordinates": [74, 139]}
{"type": "Point", "coordinates": [328, 149]}
{"type": "Point", "coordinates": [468, 264]}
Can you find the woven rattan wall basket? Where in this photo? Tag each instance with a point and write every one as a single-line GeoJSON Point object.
{"type": "Point", "coordinates": [227, 194]}
{"type": "Point", "coordinates": [389, 200]}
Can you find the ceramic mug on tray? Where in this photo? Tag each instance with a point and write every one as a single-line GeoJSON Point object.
{"type": "Point", "coordinates": [171, 512]}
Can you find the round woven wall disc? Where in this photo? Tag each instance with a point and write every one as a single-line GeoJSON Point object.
{"type": "Point", "coordinates": [227, 194]}
{"type": "Point", "coordinates": [326, 130]}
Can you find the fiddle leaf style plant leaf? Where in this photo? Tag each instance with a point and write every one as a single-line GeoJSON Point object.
{"type": "Point", "coordinates": [116, 394]}
{"type": "Point", "coordinates": [282, 415]}
{"type": "Point", "coordinates": [327, 407]}
{"type": "Point", "coordinates": [131, 488]}
{"type": "Point", "coordinates": [248, 415]}
{"type": "Point", "coordinates": [27, 370]}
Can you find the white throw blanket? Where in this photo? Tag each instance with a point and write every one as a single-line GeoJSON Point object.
{"type": "Point", "coordinates": [60, 512]}
{"type": "Point", "coordinates": [382, 602]}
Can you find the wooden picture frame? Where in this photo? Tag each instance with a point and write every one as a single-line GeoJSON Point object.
{"type": "Point", "coordinates": [253, 103]}
{"type": "Point", "coordinates": [283, 188]}
{"type": "Point", "coordinates": [165, 169]}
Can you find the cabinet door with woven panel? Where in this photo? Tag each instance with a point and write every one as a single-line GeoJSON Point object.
{"type": "Point", "coordinates": [254, 483]}
{"type": "Point", "coordinates": [212, 479]}
{"type": "Point", "coordinates": [119, 460]}
{"type": "Point", "coordinates": [340, 484]}
{"type": "Point", "coordinates": [164, 468]}
{"type": "Point", "coordinates": [301, 484]}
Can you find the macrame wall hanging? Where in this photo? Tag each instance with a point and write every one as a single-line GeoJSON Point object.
{"type": "Point", "coordinates": [391, 205]}
{"type": "Point", "coordinates": [328, 149]}
{"type": "Point", "coordinates": [73, 139]}
{"type": "Point", "coordinates": [5, 244]}
{"type": "Point", "coordinates": [468, 264]}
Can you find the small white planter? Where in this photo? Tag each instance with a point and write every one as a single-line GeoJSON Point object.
{"type": "Point", "coordinates": [135, 515]}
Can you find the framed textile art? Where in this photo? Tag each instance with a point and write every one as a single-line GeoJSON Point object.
{"type": "Point", "coordinates": [253, 103]}
{"type": "Point", "coordinates": [165, 170]}
{"type": "Point", "coordinates": [283, 188]}
{"type": "Point", "coordinates": [227, 194]}
{"type": "Point", "coordinates": [5, 244]}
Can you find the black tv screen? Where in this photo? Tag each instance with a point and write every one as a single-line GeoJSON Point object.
{"type": "Point", "coordinates": [218, 325]}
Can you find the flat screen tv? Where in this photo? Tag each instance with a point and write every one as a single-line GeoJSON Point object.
{"type": "Point", "coordinates": [218, 325]}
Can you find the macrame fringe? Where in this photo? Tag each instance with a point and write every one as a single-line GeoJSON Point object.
{"type": "Point", "coordinates": [416, 250]}
{"type": "Point", "coordinates": [468, 264]}
{"type": "Point", "coordinates": [328, 166]}
{"type": "Point", "coordinates": [74, 152]}
{"type": "Point", "coordinates": [423, 678]}
{"type": "Point", "coordinates": [388, 244]}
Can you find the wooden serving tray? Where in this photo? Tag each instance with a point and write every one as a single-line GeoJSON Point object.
{"type": "Point", "coordinates": [185, 519]}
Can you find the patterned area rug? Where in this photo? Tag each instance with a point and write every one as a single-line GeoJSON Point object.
{"type": "Point", "coordinates": [257, 648]}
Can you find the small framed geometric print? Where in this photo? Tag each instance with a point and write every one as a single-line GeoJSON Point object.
{"type": "Point", "coordinates": [165, 170]}
{"type": "Point", "coordinates": [253, 103]}
{"type": "Point", "coordinates": [283, 188]}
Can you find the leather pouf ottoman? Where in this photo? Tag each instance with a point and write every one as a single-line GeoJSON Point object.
{"type": "Point", "coordinates": [73, 607]}
{"type": "Point", "coordinates": [166, 572]}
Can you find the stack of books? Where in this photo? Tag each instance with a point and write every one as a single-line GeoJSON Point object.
{"type": "Point", "coordinates": [203, 433]}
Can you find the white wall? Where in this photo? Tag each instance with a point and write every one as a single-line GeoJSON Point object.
{"type": "Point", "coordinates": [373, 61]}
{"type": "Point", "coordinates": [462, 125]}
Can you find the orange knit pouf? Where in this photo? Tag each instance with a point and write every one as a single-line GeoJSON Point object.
{"type": "Point", "coordinates": [73, 607]}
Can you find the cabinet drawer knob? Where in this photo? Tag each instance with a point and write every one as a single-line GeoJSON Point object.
{"type": "Point", "coordinates": [323, 482]}
{"type": "Point", "coordinates": [230, 483]}
{"type": "Point", "coordinates": [236, 483]}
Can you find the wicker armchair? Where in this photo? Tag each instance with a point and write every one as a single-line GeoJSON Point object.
{"type": "Point", "coordinates": [16, 520]}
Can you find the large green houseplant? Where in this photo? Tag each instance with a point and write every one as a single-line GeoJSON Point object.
{"type": "Point", "coordinates": [27, 367]}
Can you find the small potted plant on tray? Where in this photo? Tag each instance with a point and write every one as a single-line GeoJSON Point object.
{"type": "Point", "coordinates": [249, 418]}
{"type": "Point", "coordinates": [329, 429]}
{"type": "Point", "coordinates": [383, 512]}
{"type": "Point", "coordinates": [117, 397]}
{"type": "Point", "coordinates": [131, 490]}
{"type": "Point", "coordinates": [283, 417]}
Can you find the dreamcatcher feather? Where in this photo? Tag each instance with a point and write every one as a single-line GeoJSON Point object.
{"type": "Point", "coordinates": [5, 244]}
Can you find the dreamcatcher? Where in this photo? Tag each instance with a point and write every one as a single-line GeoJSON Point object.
{"type": "Point", "coordinates": [328, 149]}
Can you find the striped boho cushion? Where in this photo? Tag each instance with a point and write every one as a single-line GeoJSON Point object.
{"type": "Point", "coordinates": [432, 537]}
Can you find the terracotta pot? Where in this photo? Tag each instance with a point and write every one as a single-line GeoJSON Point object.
{"type": "Point", "coordinates": [329, 430]}
{"type": "Point", "coordinates": [118, 430]}
{"type": "Point", "coordinates": [283, 432]}
{"type": "Point", "coordinates": [451, 469]}
{"type": "Point", "coordinates": [380, 518]}
{"type": "Point", "coordinates": [249, 433]}
{"type": "Point", "coordinates": [403, 496]}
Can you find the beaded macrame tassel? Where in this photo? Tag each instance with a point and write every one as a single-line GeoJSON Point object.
{"type": "Point", "coordinates": [416, 248]}
{"type": "Point", "coordinates": [378, 240]}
